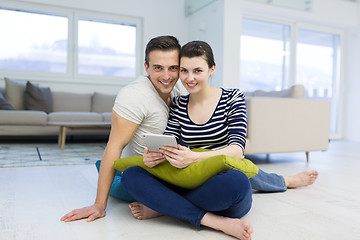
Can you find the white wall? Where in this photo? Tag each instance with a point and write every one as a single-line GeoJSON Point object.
{"type": "Point", "coordinates": [351, 110]}
{"type": "Point", "coordinates": [207, 25]}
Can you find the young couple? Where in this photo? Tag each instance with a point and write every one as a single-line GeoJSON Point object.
{"type": "Point", "coordinates": [207, 117]}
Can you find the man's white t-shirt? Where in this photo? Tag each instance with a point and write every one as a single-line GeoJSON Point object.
{"type": "Point", "coordinates": [139, 102]}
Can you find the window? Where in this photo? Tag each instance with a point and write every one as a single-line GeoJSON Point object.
{"type": "Point", "coordinates": [272, 58]}
{"type": "Point", "coordinates": [106, 49]}
{"type": "Point", "coordinates": [33, 42]}
{"type": "Point", "coordinates": [317, 67]}
{"type": "Point", "coordinates": [264, 55]}
{"type": "Point", "coordinates": [52, 41]}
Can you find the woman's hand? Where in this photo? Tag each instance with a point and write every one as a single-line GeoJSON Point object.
{"type": "Point", "coordinates": [151, 159]}
{"type": "Point", "coordinates": [180, 157]}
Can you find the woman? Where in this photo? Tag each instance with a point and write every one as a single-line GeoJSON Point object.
{"type": "Point", "coordinates": [210, 118]}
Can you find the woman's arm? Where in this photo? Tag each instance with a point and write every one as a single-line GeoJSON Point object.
{"type": "Point", "coordinates": [237, 123]}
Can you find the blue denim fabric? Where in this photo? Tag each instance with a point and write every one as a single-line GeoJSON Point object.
{"type": "Point", "coordinates": [268, 182]}
{"type": "Point", "coordinates": [117, 189]}
{"type": "Point", "coordinates": [227, 194]}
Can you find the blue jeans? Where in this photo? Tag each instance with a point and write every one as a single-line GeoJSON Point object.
{"type": "Point", "coordinates": [268, 182]}
{"type": "Point", "coordinates": [263, 182]}
{"type": "Point", "coordinates": [227, 194]}
{"type": "Point", "coordinates": [117, 189]}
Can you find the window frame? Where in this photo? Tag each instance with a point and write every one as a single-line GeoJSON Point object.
{"type": "Point", "coordinates": [109, 18]}
{"type": "Point", "coordinates": [73, 15]}
{"type": "Point", "coordinates": [291, 60]}
{"type": "Point", "coordinates": [339, 76]}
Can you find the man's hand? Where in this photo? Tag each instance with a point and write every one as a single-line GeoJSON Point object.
{"type": "Point", "coordinates": [151, 159]}
{"type": "Point", "coordinates": [91, 213]}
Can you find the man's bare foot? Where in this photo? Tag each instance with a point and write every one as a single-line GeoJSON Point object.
{"type": "Point", "coordinates": [142, 212]}
{"type": "Point", "coordinates": [302, 179]}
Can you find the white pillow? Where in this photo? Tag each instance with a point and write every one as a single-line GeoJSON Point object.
{"type": "Point", "coordinates": [102, 102]}
{"type": "Point", "coordinates": [14, 93]}
{"type": "Point", "coordinates": [295, 91]}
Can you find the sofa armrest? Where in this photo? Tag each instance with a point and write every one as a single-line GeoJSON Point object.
{"type": "Point", "coordinates": [287, 125]}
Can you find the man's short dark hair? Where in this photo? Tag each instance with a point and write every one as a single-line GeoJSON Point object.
{"type": "Point", "coordinates": [163, 43]}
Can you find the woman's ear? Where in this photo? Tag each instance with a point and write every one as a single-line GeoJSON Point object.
{"type": "Point", "coordinates": [212, 70]}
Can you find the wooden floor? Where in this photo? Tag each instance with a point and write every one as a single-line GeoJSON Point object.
{"type": "Point", "coordinates": [32, 200]}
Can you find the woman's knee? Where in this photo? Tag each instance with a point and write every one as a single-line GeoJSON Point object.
{"type": "Point", "coordinates": [236, 192]}
{"type": "Point", "coordinates": [240, 189]}
{"type": "Point", "coordinates": [241, 180]}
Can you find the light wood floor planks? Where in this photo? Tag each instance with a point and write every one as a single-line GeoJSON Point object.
{"type": "Point", "coordinates": [32, 200]}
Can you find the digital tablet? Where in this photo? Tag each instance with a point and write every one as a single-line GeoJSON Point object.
{"type": "Point", "coordinates": [155, 141]}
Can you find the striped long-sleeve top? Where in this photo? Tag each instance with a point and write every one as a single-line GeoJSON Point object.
{"type": "Point", "coordinates": [227, 126]}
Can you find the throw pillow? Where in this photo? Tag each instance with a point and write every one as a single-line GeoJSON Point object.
{"type": "Point", "coordinates": [14, 93]}
{"type": "Point", "coordinates": [4, 104]}
{"type": "Point", "coordinates": [296, 91]}
{"type": "Point", "coordinates": [102, 102]}
{"type": "Point", "coordinates": [194, 175]}
{"type": "Point", "coordinates": [37, 98]}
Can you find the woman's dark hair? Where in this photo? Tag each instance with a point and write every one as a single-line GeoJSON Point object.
{"type": "Point", "coordinates": [163, 43]}
{"type": "Point", "coordinates": [198, 49]}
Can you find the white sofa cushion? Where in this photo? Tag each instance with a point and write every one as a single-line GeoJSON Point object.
{"type": "Point", "coordinates": [296, 91]}
{"type": "Point", "coordinates": [74, 117]}
{"type": "Point", "coordinates": [106, 116]}
{"type": "Point", "coordinates": [71, 102]}
{"type": "Point", "coordinates": [22, 117]}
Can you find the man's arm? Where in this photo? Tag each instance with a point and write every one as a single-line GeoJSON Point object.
{"type": "Point", "coordinates": [122, 131]}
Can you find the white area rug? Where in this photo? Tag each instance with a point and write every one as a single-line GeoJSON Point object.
{"type": "Point", "coordinates": [43, 154]}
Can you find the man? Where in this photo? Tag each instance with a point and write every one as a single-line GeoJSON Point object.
{"type": "Point", "coordinates": [143, 107]}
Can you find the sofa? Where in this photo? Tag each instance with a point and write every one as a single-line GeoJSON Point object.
{"type": "Point", "coordinates": [32, 107]}
{"type": "Point", "coordinates": [285, 121]}
{"type": "Point", "coordinates": [278, 121]}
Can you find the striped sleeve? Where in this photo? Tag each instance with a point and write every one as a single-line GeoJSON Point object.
{"type": "Point", "coordinates": [237, 119]}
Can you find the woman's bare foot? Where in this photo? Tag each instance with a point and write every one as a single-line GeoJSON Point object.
{"type": "Point", "coordinates": [142, 212]}
{"type": "Point", "coordinates": [239, 228]}
{"type": "Point", "coordinates": [231, 226]}
{"type": "Point", "coordinates": [302, 179]}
